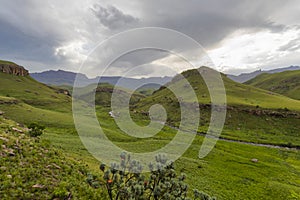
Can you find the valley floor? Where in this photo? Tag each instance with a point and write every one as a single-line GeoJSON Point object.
{"type": "Point", "coordinates": [233, 170]}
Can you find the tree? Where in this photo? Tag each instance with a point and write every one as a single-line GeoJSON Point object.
{"type": "Point", "coordinates": [126, 181]}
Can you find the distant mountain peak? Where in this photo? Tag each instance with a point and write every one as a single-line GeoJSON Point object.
{"type": "Point", "coordinates": [61, 77]}
{"type": "Point", "coordinates": [243, 77]}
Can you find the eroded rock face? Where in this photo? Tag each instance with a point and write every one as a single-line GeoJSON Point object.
{"type": "Point", "coordinates": [13, 69]}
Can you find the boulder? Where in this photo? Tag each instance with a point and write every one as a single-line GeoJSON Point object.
{"type": "Point", "coordinates": [17, 130]}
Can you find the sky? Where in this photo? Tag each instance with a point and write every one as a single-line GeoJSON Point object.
{"type": "Point", "coordinates": [237, 35]}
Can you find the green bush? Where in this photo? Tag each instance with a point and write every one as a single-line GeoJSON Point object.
{"type": "Point", "coordinates": [35, 129]}
{"type": "Point", "coordinates": [126, 181]}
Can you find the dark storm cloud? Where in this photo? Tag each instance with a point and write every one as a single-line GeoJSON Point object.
{"type": "Point", "coordinates": [34, 30]}
{"type": "Point", "coordinates": [211, 21]}
{"type": "Point", "coordinates": [139, 57]}
{"type": "Point", "coordinates": [113, 18]}
{"type": "Point", "coordinates": [208, 22]}
{"type": "Point", "coordinates": [31, 32]}
{"type": "Point", "coordinates": [15, 44]}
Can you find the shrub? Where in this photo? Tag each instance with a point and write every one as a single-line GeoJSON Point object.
{"type": "Point", "coordinates": [125, 181]}
{"type": "Point", "coordinates": [36, 129]}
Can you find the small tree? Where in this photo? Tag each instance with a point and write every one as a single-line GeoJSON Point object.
{"type": "Point", "coordinates": [125, 181]}
{"type": "Point", "coordinates": [36, 129]}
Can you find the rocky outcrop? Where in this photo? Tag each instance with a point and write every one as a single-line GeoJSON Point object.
{"type": "Point", "coordinates": [13, 69]}
{"type": "Point", "coordinates": [63, 91]}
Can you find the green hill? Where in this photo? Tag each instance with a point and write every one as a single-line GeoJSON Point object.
{"type": "Point", "coordinates": [29, 91]}
{"type": "Point", "coordinates": [285, 83]}
{"type": "Point", "coordinates": [7, 62]}
{"type": "Point", "coordinates": [30, 168]}
{"type": "Point", "coordinates": [252, 114]}
{"type": "Point", "coordinates": [236, 93]}
{"type": "Point", "coordinates": [103, 94]}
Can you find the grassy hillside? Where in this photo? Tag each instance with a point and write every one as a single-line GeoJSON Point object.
{"type": "Point", "coordinates": [285, 83]}
{"type": "Point", "coordinates": [25, 113]}
{"type": "Point", "coordinates": [33, 93]}
{"type": "Point", "coordinates": [237, 93]}
{"type": "Point", "coordinates": [103, 94]}
{"type": "Point", "coordinates": [252, 114]}
{"type": "Point", "coordinates": [7, 62]}
{"type": "Point", "coordinates": [60, 128]}
{"type": "Point", "coordinates": [32, 169]}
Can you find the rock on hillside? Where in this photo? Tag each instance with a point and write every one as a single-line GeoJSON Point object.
{"type": "Point", "coordinates": [12, 68]}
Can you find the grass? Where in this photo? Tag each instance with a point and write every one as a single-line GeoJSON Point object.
{"type": "Point", "coordinates": [227, 172]}
{"type": "Point", "coordinates": [236, 93]}
{"type": "Point", "coordinates": [32, 169]}
{"type": "Point", "coordinates": [25, 114]}
{"type": "Point", "coordinates": [253, 115]}
{"type": "Point", "coordinates": [241, 125]}
{"type": "Point", "coordinates": [104, 93]}
{"type": "Point", "coordinates": [286, 83]}
{"type": "Point", "coordinates": [33, 93]}
{"type": "Point", "coordinates": [7, 62]}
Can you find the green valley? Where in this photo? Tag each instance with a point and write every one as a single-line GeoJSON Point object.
{"type": "Point", "coordinates": [150, 100]}
{"type": "Point", "coordinates": [233, 170]}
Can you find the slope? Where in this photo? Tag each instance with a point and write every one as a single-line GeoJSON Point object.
{"type": "Point", "coordinates": [285, 83]}
{"type": "Point", "coordinates": [103, 93]}
{"type": "Point", "coordinates": [237, 94]}
{"type": "Point", "coordinates": [32, 169]}
{"type": "Point", "coordinates": [7, 62]}
{"type": "Point", "coordinates": [253, 114]}
{"type": "Point", "coordinates": [31, 92]}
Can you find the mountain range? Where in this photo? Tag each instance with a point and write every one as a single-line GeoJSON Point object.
{"type": "Point", "coordinates": [61, 77]}
{"type": "Point", "coordinates": [247, 76]}
{"type": "Point", "coordinates": [66, 78]}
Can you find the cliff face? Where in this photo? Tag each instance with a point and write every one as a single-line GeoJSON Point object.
{"type": "Point", "coordinates": [13, 69]}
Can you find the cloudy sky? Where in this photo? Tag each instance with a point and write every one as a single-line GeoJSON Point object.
{"type": "Point", "coordinates": [238, 35]}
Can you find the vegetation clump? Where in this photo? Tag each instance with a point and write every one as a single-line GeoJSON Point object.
{"type": "Point", "coordinates": [35, 129]}
{"type": "Point", "coordinates": [126, 181]}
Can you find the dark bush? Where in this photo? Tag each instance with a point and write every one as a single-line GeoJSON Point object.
{"type": "Point", "coordinates": [36, 129]}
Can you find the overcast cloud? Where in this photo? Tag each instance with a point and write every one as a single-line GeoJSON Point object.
{"type": "Point", "coordinates": [238, 35]}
